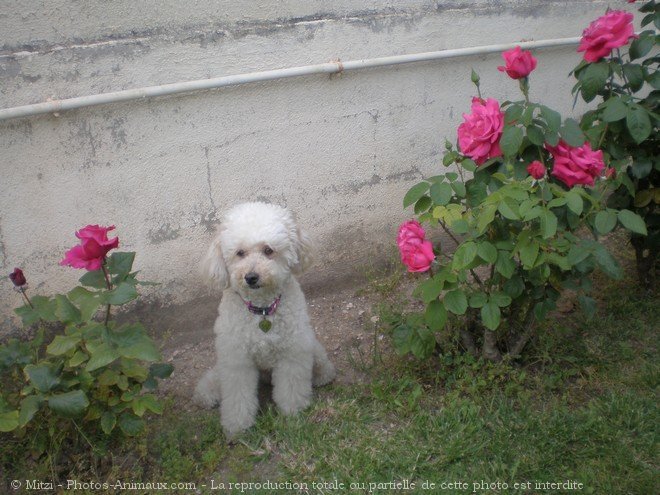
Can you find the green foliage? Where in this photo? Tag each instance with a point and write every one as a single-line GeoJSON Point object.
{"type": "Point", "coordinates": [94, 372]}
{"type": "Point", "coordinates": [626, 87]}
{"type": "Point", "coordinates": [519, 241]}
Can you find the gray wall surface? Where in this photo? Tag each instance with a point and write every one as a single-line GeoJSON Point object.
{"type": "Point", "coordinates": [339, 150]}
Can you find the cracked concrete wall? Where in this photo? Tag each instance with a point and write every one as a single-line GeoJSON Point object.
{"type": "Point", "coordinates": [338, 150]}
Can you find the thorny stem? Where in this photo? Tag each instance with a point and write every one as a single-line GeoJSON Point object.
{"type": "Point", "coordinates": [27, 299]}
{"type": "Point", "coordinates": [623, 73]}
{"type": "Point", "coordinates": [602, 137]}
{"type": "Point", "coordinates": [109, 285]}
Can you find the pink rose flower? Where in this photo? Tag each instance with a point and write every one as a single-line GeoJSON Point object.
{"type": "Point", "coordinates": [580, 165]}
{"type": "Point", "coordinates": [536, 169]}
{"type": "Point", "coordinates": [94, 246]}
{"type": "Point", "coordinates": [479, 135]}
{"type": "Point", "coordinates": [416, 252]}
{"type": "Point", "coordinates": [519, 63]}
{"type": "Point", "coordinates": [610, 31]}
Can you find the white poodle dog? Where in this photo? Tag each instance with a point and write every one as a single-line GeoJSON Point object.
{"type": "Point", "coordinates": [262, 322]}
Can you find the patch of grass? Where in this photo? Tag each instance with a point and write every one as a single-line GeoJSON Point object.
{"type": "Point", "coordinates": [581, 406]}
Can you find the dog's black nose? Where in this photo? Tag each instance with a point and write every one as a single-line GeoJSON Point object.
{"type": "Point", "coordinates": [252, 279]}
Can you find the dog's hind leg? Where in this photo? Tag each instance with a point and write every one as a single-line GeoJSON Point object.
{"type": "Point", "coordinates": [323, 371]}
{"type": "Point", "coordinates": [207, 391]}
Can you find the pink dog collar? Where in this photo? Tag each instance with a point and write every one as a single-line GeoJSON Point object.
{"type": "Point", "coordinates": [268, 311]}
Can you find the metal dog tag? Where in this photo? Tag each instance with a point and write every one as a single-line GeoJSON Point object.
{"type": "Point", "coordinates": [265, 325]}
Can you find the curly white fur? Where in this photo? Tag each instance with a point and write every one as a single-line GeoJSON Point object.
{"type": "Point", "coordinates": [264, 240]}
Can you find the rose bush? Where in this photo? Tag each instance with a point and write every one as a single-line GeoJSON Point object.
{"type": "Point", "coordinates": [624, 125]}
{"type": "Point", "coordinates": [535, 182]}
{"type": "Point", "coordinates": [87, 373]}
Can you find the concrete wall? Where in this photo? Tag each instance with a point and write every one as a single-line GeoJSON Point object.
{"type": "Point", "coordinates": [339, 150]}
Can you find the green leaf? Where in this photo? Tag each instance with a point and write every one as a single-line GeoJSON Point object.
{"type": "Point", "coordinates": [8, 421]}
{"type": "Point", "coordinates": [605, 221]}
{"type": "Point", "coordinates": [577, 254]}
{"type": "Point", "coordinates": [513, 113]}
{"type": "Point", "coordinates": [94, 279]}
{"type": "Point", "coordinates": [588, 306]}
{"type": "Point", "coordinates": [161, 370]}
{"type": "Point", "coordinates": [87, 301]}
{"type": "Point", "coordinates": [459, 189]}
{"type": "Point", "coordinates": [548, 224]}
{"type": "Point", "coordinates": [423, 204]}
{"type": "Point", "coordinates": [638, 123]}
{"type": "Point", "coordinates": [149, 402]}
{"type": "Point", "coordinates": [511, 139]}
{"type": "Point", "coordinates": [552, 118]}
{"type": "Point", "coordinates": [571, 133]}
{"type": "Point", "coordinates": [43, 376]}
{"type": "Point", "coordinates": [122, 294]}
{"type": "Point", "coordinates": [62, 344]}
{"type": "Point", "coordinates": [130, 424]}
{"type": "Point", "coordinates": [45, 307]}
{"type": "Point", "coordinates": [435, 315]}
{"type": "Point", "coordinates": [108, 422]}
{"type": "Point", "coordinates": [68, 404]}
{"type": "Point", "coordinates": [486, 217]}
{"type": "Point", "coordinates": [607, 263]}
{"type": "Point", "coordinates": [456, 302]}
{"type": "Point", "coordinates": [464, 255]}
{"type": "Point", "coordinates": [509, 208]}
{"type": "Point", "coordinates": [441, 193]}
{"type": "Point", "coordinates": [574, 202]}
{"type": "Point", "coordinates": [143, 349]}
{"type": "Point", "coordinates": [422, 343]}
{"type": "Point", "coordinates": [501, 299]}
{"type": "Point", "coordinates": [120, 264]}
{"type": "Point", "coordinates": [635, 76]}
{"type": "Point", "coordinates": [491, 315]}
{"type": "Point", "coordinates": [29, 407]}
{"type": "Point", "coordinates": [535, 135]}
{"type": "Point", "coordinates": [101, 356]}
{"type": "Point", "coordinates": [528, 251]}
{"type": "Point", "coordinates": [505, 265]}
{"type": "Point", "coordinates": [429, 289]}
{"type": "Point", "coordinates": [478, 300]}
{"type": "Point", "coordinates": [514, 287]}
{"type": "Point", "coordinates": [640, 46]}
{"type": "Point", "coordinates": [66, 312]}
{"type": "Point", "coordinates": [615, 109]}
{"type": "Point", "coordinates": [469, 165]}
{"type": "Point", "coordinates": [593, 79]}
{"type": "Point", "coordinates": [415, 192]}
{"type": "Point", "coordinates": [401, 337]}
{"type": "Point", "coordinates": [632, 221]}
{"type": "Point", "coordinates": [487, 252]}
{"type": "Point", "coordinates": [27, 314]}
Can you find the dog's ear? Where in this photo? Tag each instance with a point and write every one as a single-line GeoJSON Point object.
{"type": "Point", "coordinates": [304, 250]}
{"type": "Point", "coordinates": [213, 265]}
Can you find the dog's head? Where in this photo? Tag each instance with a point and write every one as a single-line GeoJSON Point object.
{"type": "Point", "coordinates": [257, 249]}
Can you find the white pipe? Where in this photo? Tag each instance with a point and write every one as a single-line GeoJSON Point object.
{"type": "Point", "coordinates": [269, 75]}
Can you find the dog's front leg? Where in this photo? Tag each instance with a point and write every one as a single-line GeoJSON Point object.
{"type": "Point", "coordinates": [239, 402]}
{"type": "Point", "coordinates": [292, 384]}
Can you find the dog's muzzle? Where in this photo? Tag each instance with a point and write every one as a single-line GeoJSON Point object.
{"type": "Point", "coordinates": [252, 279]}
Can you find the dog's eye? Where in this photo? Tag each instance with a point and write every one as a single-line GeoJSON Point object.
{"type": "Point", "coordinates": [240, 253]}
{"type": "Point", "coordinates": [268, 251]}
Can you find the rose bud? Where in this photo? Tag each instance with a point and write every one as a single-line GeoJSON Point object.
{"type": "Point", "coordinates": [17, 277]}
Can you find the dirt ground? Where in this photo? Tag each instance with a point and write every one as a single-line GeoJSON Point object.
{"type": "Point", "coordinates": [343, 319]}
